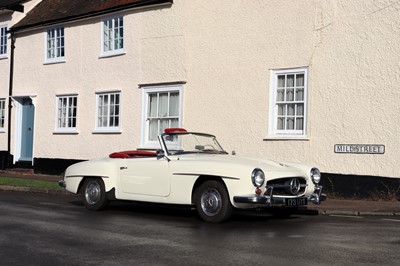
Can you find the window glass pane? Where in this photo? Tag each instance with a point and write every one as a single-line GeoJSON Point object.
{"type": "Point", "coordinates": [3, 40]}
{"type": "Point", "coordinates": [290, 108]}
{"type": "Point", "coordinates": [280, 96]}
{"type": "Point", "coordinates": [290, 123]}
{"type": "Point", "coordinates": [66, 112]}
{"type": "Point", "coordinates": [281, 81]}
{"type": "Point", "coordinates": [164, 123]}
{"type": "Point", "coordinates": [152, 109]}
{"type": "Point", "coordinates": [290, 81]}
{"type": "Point", "coordinates": [299, 80]}
{"type": "Point", "coordinates": [108, 110]}
{"type": "Point", "coordinates": [163, 105]}
{"type": "Point", "coordinates": [299, 94]}
{"type": "Point", "coordinates": [299, 123]}
{"type": "Point", "coordinates": [281, 109]}
{"type": "Point", "coordinates": [174, 122]}
{"type": "Point", "coordinates": [174, 104]}
{"type": "Point", "coordinates": [300, 109]}
{"type": "Point", "coordinates": [290, 95]}
{"type": "Point", "coordinates": [163, 112]}
{"type": "Point", "coordinates": [153, 129]}
{"type": "Point", "coordinates": [2, 112]}
{"type": "Point", "coordinates": [281, 123]}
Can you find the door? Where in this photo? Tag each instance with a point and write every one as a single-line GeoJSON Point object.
{"type": "Point", "coordinates": [147, 176]}
{"type": "Point", "coordinates": [27, 126]}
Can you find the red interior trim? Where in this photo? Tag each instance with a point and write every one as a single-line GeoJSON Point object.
{"type": "Point", "coordinates": [132, 154]}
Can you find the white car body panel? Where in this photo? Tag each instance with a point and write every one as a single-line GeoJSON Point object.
{"type": "Point", "coordinates": [172, 176]}
{"type": "Point", "coordinates": [157, 180]}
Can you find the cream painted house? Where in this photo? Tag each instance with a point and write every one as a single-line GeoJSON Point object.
{"type": "Point", "coordinates": [310, 81]}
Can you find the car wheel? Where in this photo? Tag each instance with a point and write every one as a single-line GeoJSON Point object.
{"type": "Point", "coordinates": [212, 202]}
{"type": "Point", "coordinates": [94, 194]}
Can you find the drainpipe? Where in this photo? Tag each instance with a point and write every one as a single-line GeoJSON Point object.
{"type": "Point", "coordinates": [10, 93]}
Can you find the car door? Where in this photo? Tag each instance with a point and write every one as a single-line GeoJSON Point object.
{"type": "Point", "coordinates": [145, 176]}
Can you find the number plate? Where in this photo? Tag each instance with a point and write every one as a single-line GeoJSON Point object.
{"type": "Point", "coordinates": [295, 202]}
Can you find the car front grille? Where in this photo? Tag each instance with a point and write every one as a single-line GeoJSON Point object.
{"type": "Point", "coordinates": [288, 186]}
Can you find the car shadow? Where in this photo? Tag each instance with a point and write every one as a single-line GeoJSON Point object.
{"type": "Point", "coordinates": [168, 211]}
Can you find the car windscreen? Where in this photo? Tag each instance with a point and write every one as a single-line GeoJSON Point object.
{"type": "Point", "coordinates": [189, 143]}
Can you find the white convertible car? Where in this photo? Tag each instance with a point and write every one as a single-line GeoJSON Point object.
{"type": "Point", "coordinates": [192, 169]}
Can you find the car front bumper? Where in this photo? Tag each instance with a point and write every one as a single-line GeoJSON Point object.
{"type": "Point", "coordinates": [269, 200]}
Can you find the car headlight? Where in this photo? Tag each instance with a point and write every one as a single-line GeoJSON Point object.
{"type": "Point", "coordinates": [315, 175]}
{"type": "Point", "coordinates": [257, 177]}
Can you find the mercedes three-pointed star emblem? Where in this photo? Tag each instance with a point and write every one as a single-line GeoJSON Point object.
{"type": "Point", "coordinates": [294, 186]}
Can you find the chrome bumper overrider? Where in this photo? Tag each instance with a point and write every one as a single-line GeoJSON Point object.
{"type": "Point", "coordinates": [61, 183]}
{"type": "Point", "coordinates": [270, 201]}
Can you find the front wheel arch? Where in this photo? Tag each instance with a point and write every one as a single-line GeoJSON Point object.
{"type": "Point", "coordinates": [212, 201]}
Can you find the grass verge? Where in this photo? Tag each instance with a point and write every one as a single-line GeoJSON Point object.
{"type": "Point", "coordinates": [28, 183]}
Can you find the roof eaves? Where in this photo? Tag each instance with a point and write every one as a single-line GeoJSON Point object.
{"type": "Point", "coordinates": [143, 3]}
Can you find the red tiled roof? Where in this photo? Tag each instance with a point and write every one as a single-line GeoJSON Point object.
{"type": "Point", "coordinates": [49, 12]}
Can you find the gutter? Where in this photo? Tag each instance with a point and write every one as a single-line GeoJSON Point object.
{"type": "Point", "coordinates": [10, 93]}
{"type": "Point", "coordinates": [141, 4]}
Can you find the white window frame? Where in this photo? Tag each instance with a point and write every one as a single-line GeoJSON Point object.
{"type": "Point", "coordinates": [2, 114]}
{"type": "Point", "coordinates": [112, 51]}
{"type": "Point", "coordinates": [108, 128]}
{"type": "Point", "coordinates": [145, 142]}
{"type": "Point", "coordinates": [3, 41]}
{"type": "Point", "coordinates": [273, 131]}
{"type": "Point", "coordinates": [58, 43]}
{"type": "Point", "coordinates": [63, 112]}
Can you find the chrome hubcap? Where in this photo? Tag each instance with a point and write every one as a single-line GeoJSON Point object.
{"type": "Point", "coordinates": [211, 202]}
{"type": "Point", "coordinates": [92, 193]}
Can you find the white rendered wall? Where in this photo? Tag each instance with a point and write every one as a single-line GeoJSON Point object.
{"type": "Point", "coordinates": [224, 51]}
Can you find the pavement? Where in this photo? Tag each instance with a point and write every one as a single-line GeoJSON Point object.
{"type": "Point", "coordinates": [332, 206]}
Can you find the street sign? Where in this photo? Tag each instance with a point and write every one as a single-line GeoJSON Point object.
{"type": "Point", "coordinates": [360, 148]}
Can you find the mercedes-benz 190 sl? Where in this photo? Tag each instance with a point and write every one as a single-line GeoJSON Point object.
{"type": "Point", "coordinates": [193, 169]}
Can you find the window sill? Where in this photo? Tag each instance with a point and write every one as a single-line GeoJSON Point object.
{"type": "Point", "coordinates": [54, 61]}
{"type": "Point", "coordinates": [107, 131]}
{"type": "Point", "coordinates": [112, 54]}
{"type": "Point", "coordinates": [3, 57]}
{"type": "Point", "coordinates": [65, 132]}
{"type": "Point", "coordinates": [285, 138]}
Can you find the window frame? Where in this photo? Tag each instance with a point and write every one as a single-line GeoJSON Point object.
{"type": "Point", "coordinates": [145, 142]}
{"type": "Point", "coordinates": [108, 128]}
{"type": "Point", "coordinates": [57, 38]}
{"type": "Point", "coordinates": [67, 129]}
{"type": "Point", "coordinates": [3, 37]}
{"type": "Point", "coordinates": [273, 131]}
{"type": "Point", "coordinates": [3, 102]}
{"type": "Point", "coordinates": [112, 51]}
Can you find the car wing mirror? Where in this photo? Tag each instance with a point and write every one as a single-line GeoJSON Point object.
{"type": "Point", "coordinates": [161, 154]}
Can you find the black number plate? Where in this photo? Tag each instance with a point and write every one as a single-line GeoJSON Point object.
{"type": "Point", "coordinates": [295, 202]}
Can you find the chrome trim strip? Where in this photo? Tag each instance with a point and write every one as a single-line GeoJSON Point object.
{"type": "Point", "coordinates": [192, 174]}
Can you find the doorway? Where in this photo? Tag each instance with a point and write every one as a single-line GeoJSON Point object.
{"type": "Point", "coordinates": [24, 129]}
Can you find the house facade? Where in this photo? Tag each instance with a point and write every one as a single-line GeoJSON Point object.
{"type": "Point", "coordinates": [11, 11]}
{"type": "Point", "coordinates": [303, 81]}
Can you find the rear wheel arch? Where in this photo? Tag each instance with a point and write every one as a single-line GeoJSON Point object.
{"type": "Point", "coordinates": [94, 194]}
{"type": "Point", "coordinates": [110, 194]}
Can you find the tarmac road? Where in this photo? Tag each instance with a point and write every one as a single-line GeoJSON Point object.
{"type": "Point", "coordinates": [45, 229]}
